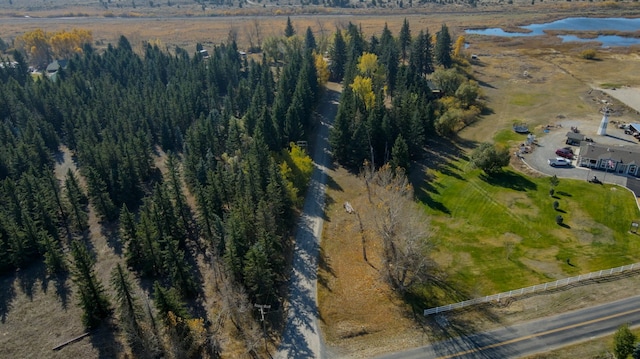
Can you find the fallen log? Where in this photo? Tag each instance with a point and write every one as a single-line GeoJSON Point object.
{"type": "Point", "coordinates": [58, 347]}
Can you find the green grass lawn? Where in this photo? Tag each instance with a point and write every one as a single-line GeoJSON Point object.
{"type": "Point", "coordinates": [499, 233]}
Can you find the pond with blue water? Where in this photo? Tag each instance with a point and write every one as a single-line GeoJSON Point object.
{"type": "Point", "coordinates": [576, 24]}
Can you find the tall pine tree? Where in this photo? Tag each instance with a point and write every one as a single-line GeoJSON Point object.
{"type": "Point", "coordinates": [93, 298]}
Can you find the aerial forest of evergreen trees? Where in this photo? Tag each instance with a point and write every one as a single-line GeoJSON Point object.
{"type": "Point", "coordinates": [398, 92]}
{"type": "Point", "coordinates": [226, 127]}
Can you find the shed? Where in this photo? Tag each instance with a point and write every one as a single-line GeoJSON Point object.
{"type": "Point", "coordinates": [574, 138]}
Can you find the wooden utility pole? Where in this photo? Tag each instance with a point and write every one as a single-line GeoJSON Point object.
{"type": "Point", "coordinates": [262, 307]}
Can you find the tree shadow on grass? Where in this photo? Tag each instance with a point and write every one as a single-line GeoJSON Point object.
{"type": "Point", "coordinates": [110, 231]}
{"type": "Point", "coordinates": [332, 184]}
{"type": "Point", "coordinates": [7, 294]}
{"type": "Point", "coordinates": [509, 179]}
{"type": "Point", "coordinates": [440, 155]}
{"type": "Point", "coordinates": [63, 291]}
{"type": "Point", "coordinates": [563, 193]}
{"type": "Point", "coordinates": [27, 278]}
{"type": "Point", "coordinates": [325, 271]}
{"type": "Point", "coordinates": [104, 341]}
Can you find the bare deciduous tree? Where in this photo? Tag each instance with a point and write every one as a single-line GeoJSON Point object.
{"type": "Point", "coordinates": [402, 227]}
{"type": "Point", "coordinates": [236, 305]}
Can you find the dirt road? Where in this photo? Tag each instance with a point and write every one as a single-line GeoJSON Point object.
{"type": "Point", "coordinates": [302, 337]}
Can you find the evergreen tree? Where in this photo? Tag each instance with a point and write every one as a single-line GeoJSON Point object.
{"type": "Point", "coordinates": [131, 316]}
{"type": "Point", "coordinates": [99, 195]}
{"type": "Point", "coordinates": [129, 309]}
{"type": "Point", "coordinates": [338, 54]}
{"type": "Point", "coordinates": [341, 132]}
{"type": "Point", "coordinates": [443, 47]}
{"type": "Point", "coordinates": [404, 39]}
{"type": "Point", "coordinates": [309, 40]}
{"type": "Point", "coordinates": [389, 57]}
{"type": "Point", "coordinates": [178, 197]}
{"type": "Point", "coordinates": [420, 59]}
{"type": "Point", "coordinates": [129, 237]}
{"type": "Point", "coordinates": [258, 276]}
{"type": "Point", "coordinates": [168, 300]}
{"type": "Point", "coordinates": [54, 257]}
{"type": "Point", "coordinates": [177, 267]}
{"type": "Point", "coordinates": [400, 155]}
{"type": "Point", "coordinates": [289, 30]}
{"type": "Point", "coordinates": [93, 298]}
{"type": "Point", "coordinates": [20, 72]}
{"type": "Point", "coordinates": [149, 263]}
{"type": "Point", "coordinates": [76, 202]}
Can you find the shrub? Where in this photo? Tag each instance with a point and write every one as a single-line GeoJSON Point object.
{"type": "Point", "coordinates": [588, 54]}
{"type": "Point", "coordinates": [551, 192]}
{"type": "Point", "coordinates": [559, 219]}
{"type": "Point", "coordinates": [490, 158]}
{"type": "Point", "coordinates": [556, 204]}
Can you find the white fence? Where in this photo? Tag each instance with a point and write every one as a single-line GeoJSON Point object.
{"type": "Point", "coordinates": [533, 289]}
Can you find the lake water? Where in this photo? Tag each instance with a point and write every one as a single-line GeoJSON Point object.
{"type": "Point", "coordinates": [577, 24]}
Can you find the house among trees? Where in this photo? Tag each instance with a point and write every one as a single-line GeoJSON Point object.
{"type": "Point", "coordinates": [622, 160]}
{"type": "Point", "coordinates": [204, 53]}
{"type": "Point", "coordinates": [435, 90]}
{"type": "Point", "coordinates": [55, 66]}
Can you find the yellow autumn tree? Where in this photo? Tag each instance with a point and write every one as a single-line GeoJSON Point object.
{"type": "Point", "coordinates": [65, 44]}
{"type": "Point", "coordinates": [368, 64]}
{"type": "Point", "coordinates": [322, 69]}
{"type": "Point", "coordinates": [296, 167]}
{"type": "Point", "coordinates": [459, 46]}
{"type": "Point", "coordinates": [35, 44]}
{"type": "Point", "coordinates": [363, 89]}
{"type": "Point", "coordinates": [41, 47]}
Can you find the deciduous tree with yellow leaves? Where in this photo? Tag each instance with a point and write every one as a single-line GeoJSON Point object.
{"type": "Point", "coordinates": [41, 47]}
{"type": "Point", "coordinates": [322, 69]}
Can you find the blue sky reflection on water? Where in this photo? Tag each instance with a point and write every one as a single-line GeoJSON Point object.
{"type": "Point", "coordinates": [577, 24]}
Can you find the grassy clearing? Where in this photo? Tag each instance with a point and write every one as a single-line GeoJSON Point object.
{"type": "Point", "coordinates": [499, 233]}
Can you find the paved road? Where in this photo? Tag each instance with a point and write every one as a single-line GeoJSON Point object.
{"type": "Point", "coordinates": [533, 337]}
{"type": "Point", "coordinates": [302, 337]}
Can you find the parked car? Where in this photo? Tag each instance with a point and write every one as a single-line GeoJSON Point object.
{"type": "Point", "coordinates": [565, 152]}
{"type": "Point", "coordinates": [559, 162]}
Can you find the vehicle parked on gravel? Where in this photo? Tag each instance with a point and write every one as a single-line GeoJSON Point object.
{"type": "Point", "coordinates": [565, 152]}
{"type": "Point", "coordinates": [559, 162]}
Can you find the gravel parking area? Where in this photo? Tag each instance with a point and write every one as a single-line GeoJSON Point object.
{"type": "Point", "coordinates": [548, 143]}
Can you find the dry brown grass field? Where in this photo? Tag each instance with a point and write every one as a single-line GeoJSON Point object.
{"type": "Point", "coordinates": [361, 316]}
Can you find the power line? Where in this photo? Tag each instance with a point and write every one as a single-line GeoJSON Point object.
{"type": "Point", "coordinates": [262, 307]}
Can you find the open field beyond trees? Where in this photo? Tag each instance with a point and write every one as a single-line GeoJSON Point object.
{"type": "Point", "coordinates": [490, 235]}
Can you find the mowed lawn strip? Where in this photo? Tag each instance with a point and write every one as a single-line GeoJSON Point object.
{"type": "Point", "coordinates": [497, 233]}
